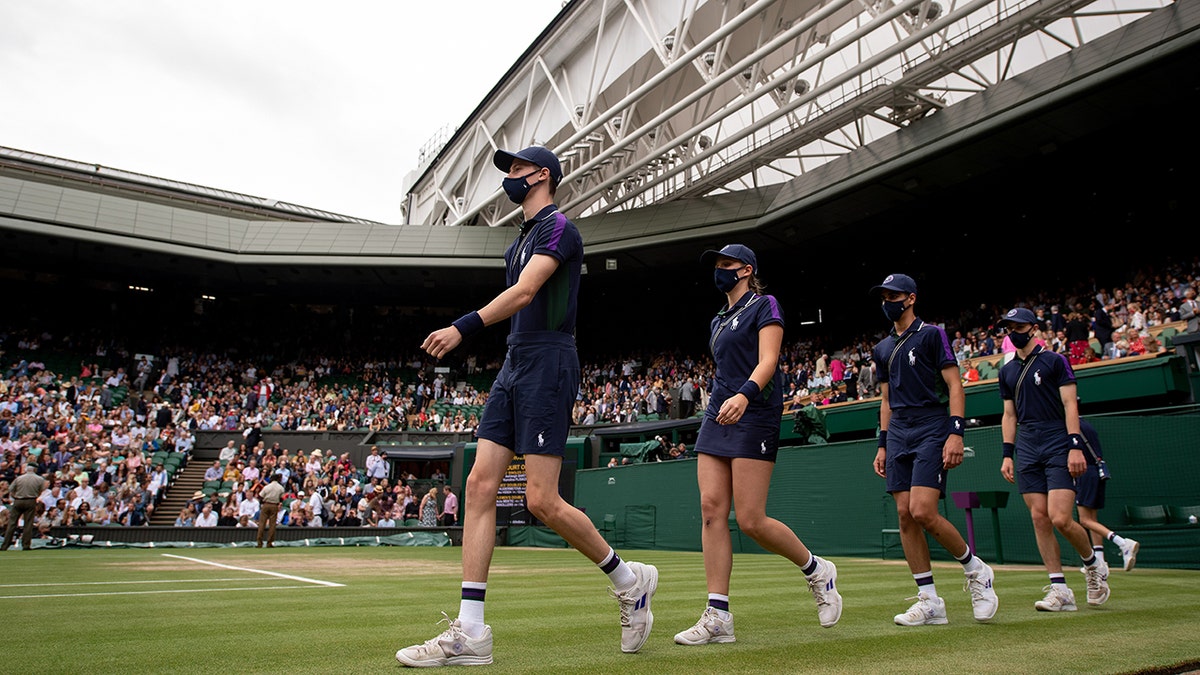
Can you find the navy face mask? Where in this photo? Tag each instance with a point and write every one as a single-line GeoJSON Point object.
{"type": "Point", "coordinates": [893, 309]}
{"type": "Point", "coordinates": [517, 189]}
{"type": "Point", "coordinates": [1019, 340]}
{"type": "Point", "coordinates": [726, 279]}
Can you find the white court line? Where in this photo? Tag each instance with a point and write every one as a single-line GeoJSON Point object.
{"type": "Point", "coordinates": [125, 583]}
{"type": "Point", "coordinates": [251, 569]}
{"type": "Point", "coordinates": [177, 590]}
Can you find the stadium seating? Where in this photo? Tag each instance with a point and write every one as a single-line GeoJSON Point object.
{"type": "Point", "coordinates": [1167, 337]}
{"type": "Point", "coordinates": [1181, 514]}
{"type": "Point", "coordinates": [1146, 515]}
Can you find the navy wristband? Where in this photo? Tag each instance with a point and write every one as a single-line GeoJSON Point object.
{"type": "Point", "coordinates": [1009, 449]}
{"type": "Point", "coordinates": [957, 426]}
{"type": "Point", "coordinates": [882, 439]}
{"type": "Point", "coordinates": [750, 390]}
{"type": "Point", "coordinates": [1076, 441]}
{"type": "Point", "coordinates": [468, 324]}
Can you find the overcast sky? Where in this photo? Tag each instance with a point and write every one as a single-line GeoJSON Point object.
{"type": "Point", "coordinates": [316, 103]}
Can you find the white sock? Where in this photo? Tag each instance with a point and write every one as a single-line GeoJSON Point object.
{"type": "Point", "coordinates": [621, 576]}
{"type": "Point", "coordinates": [1117, 539]}
{"type": "Point", "coordinates": [723, 613]}
{"type": "Point", "coordinates": [470, 612]}
{"type": "Point", "coordinates": [929, 589]}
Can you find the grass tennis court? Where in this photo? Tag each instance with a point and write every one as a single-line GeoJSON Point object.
{"type": "Point", "coordinates": [347, 610]}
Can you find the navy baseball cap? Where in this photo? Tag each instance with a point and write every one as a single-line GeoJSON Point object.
{"type": "Point", "coordinates": [896, 282]}
{"type": "Point", "coordinates": [1017, 315]}
{"type": "Point", "coordinates": [735, 251]}
{"type": "Point", "coordinates": [536, 155]}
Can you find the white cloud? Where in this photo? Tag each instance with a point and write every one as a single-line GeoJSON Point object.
{"type": "Point", "coordinates": [316, 103]}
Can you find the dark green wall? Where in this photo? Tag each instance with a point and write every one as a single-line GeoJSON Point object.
{"type": "Point", "coordinates": [834, 501]}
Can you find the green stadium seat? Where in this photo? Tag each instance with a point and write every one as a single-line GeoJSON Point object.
{"type": "Point", "coordinates": [1180, 514]}
{"type": "Point", "coordinates": [608, 526]}
{"type": "Point", "coordinates": [1146, 515]}
{"type": "Point", "coordinates": [1167, 337]}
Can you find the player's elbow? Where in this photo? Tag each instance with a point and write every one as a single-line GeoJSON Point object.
{"type": "Point", "coordinates": [523, 296]}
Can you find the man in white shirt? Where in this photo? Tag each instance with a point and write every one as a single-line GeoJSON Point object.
{"type": "Point", "coordinates": [377, 465]}
{"type": "Point", "coordinates": [116, 379]}
{"type": "Point", "coordinates": [228, 452]}
{"type": "Point", "coordinates": [207, 517]}
{"type": "Point", "coordinates": [249, 507]}
{"type": "Point", "coordinates": [84, 491]}
{"type": "Point", "coordinates": [51, 495]}
{"type": "Point", "coordinates": [317, 504]}
{"type": "Point", "coordinates": [185, 441]}
{"type": "Point", "coordinates": [158, 479]}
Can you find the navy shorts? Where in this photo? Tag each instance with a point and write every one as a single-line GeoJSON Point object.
{"type": "Point", "coordinates": [1041, 458]}
{"type": "Point", "coordinates": [755, 436]}
{"type": "Point", "coordinates": [915, 441]}
{"type": "Point", "coordinates": [1089, 489]}
{"type": "Point", "coordinates": [529, 408]}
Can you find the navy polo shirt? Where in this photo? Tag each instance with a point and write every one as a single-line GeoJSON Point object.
{"type": "Point", "coordinates": [914, 377]}
{"type": "Point", "coordinates": [554, 307]}
{"type": "Point", "coordinates": [1040, 400]}
{"type": "Point", "coordinates": [734, 343]}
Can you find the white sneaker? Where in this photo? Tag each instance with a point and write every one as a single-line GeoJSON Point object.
{"type": "Point", "coordinates": [983, 598]}
{"type": "Point", "coordinates": [636, 617]}
{"type": "Point", "coordinates": [1097, 583]}
{"type": "Point", "coordinates": [710, 628]}
{"type": "Point", "coordinates": [1129, 552]}
{"type": "Point", "coordinates": [823, 586]}
{"type": "Point", "coordinates": [926, 611]}
{"type": "Point", "coordinates": [1056, 600]}
{"type": "Point", "coordinates": [452, 648]}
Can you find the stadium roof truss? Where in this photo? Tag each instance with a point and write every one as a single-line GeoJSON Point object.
{"type": "Point", "coordinates": [677, 121]}
{"type": "Point", "coordinates": [654, 101]}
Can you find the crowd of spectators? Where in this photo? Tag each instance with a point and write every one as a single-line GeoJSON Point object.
{"type": "Point", "coordinates": [319, 490]}
{"type": "Point", "coordinates": [91, 431]}
{"type": "Point", "coordinates": [1119, 318]}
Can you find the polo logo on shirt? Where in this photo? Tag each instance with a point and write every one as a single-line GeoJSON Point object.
{"type": "Point", "coordinates": [1037, 377]}
{"type": "Point", "coordinates": [541, 439]}
{"type": "Point", "coordinates": [912, 357]}
{"type": "Point", "coordinates": [734, 325]}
